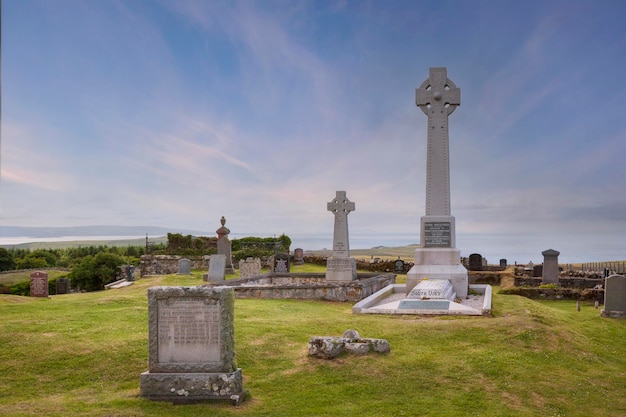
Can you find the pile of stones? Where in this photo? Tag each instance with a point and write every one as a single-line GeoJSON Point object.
{"type": "Point", "coordinates": [329, 347]}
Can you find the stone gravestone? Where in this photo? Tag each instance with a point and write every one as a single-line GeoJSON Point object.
{"type": "Point", "coordinates": [503, 263]}
{"type": "Point", "coordinates": [438, 258]}
{"type": "Point", "coordinates": [475, 262]}
{"type": "Point", "coordinates": [550, 273]}
{"type": "Point", "coordinates": [281, 263]}
{"type": "Point", "coordinates": [224, 246]}
{"type": "Point", "coordinates": [39, 284]}
{"type": "Point", "coordinates": [298, 256]}
{"type": "Point", "coordinates": [614, 297]}
{"type": "Point", "coordinates": [340, 266]}
{"type": "Point", "coordinates": [63, 286]}
{"type": "Point", "coordinates": [251, 267]}
{"type": "Point", "coordinates": [192, 346]}
{"type": "Point", "coordinates": [184, 266]}
{"type": "Point", "coordinates": [217, 268]}
{"type": "Point", "coordinates": [398, 266]}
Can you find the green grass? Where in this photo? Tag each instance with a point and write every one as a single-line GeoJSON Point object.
{"type": "Point", "coordinates": [81, 355]}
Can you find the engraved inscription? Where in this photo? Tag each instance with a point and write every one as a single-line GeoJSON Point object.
{"type": "Point", "coordinates": [189, 330]}
{"type": "Point", "coordinates": [437, 235]}
{"type": "Point", "coordinates": [339, 265]}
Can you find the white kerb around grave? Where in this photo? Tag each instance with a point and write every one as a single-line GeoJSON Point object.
{"type": "Point", "coordinates": [340, 267]}
{"type": "Point", "coordinates": [438, 258]}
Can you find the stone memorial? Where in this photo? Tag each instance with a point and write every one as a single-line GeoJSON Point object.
{"type": "Point", "coordinates": [475, 262]}
{"type": "Point", "coordinates": [217, 268]}
{"type": "Point", "coordinates": [184, 266]}
{"type": "Point", "coordinates": [281, 263]}
{"type": "Point", "coordinates": [340, 266]}
{"type": "Point", "coordinates": [550, 273]}
{"type": "Point", "coordinates": [398, 266]}
{"type": "Point", "coordinates": [429, 294]}
{"type": "Point", "coordinates": [298, 256]}
{"type": "Point", "coordinates": [437, 257]}
{"type": "Point", "coordinates": [614, 297]}
{"type": "Point", "coordinates": [250, 267]}
{"type": "Point", "coordinates": [223, 245]}
{"type": "Point", "coordinates": [39, 284]}
{"type": "Point", "coordinates": [63, 286]}
{"type": "Point", "coordinates": [537, 271]}
{"type": "Point", "coordinates": [191, 354]}
{"type": "Point", "coordinates": [503, 263]}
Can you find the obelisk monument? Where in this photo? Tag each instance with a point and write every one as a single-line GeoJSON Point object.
{"type": "Point", "coordinates": [437, 256]}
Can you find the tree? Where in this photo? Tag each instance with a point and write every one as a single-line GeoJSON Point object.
{"type": "Point", "coordinates": [94, 272]}
{"type": "Point", "coordinates": [7, 262]}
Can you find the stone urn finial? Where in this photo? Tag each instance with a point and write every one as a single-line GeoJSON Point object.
{"type": "Point", "coordinates": [222, 231]}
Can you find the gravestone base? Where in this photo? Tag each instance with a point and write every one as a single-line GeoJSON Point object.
{"type": "Point", "coordinates": [183, 388]}
{"type": "Point", "coordinates": [340, 269]}
{"type": "Point", "coordinates": [439, 263]}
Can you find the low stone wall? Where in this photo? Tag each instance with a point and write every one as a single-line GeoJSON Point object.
{"type": "Point", "coordinates": [309, 286]}
{"type": "Point", "coordinates": [168, 264]}
{"type": "Point", "coordinates": [587, 294]}
{"type": "Point", "coordinates": [580, 283]}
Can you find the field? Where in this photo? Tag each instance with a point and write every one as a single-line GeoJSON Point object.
{"type": "Point", "coordinates": [81, 355]}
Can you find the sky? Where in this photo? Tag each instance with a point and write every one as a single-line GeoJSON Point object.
{"type": "Point", "coordinates": [175, 113]}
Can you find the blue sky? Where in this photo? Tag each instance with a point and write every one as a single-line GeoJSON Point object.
{"type": "Point", "coordinates": [174, 113]}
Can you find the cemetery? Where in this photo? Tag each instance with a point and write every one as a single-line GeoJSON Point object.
{"type": "Point", "coordinates": [184, 337]}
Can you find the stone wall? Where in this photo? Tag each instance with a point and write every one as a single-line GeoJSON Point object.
{"type": "Point", "coordinates": [168, 264]}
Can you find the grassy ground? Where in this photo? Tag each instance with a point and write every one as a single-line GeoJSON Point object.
{"type": "Point", "coordinates": [81, 355]}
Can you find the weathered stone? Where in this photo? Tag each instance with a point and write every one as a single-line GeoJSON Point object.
{"type": "Point", "coordinates": [326, 347]}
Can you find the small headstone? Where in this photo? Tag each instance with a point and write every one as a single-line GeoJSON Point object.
{"type": "Point", "coordinates": [550, 273]}
{"type": "Point", "coordinates": [398, 266]}
{"type": "Point", "coordinates": [503, 263]}
{"type": "Point", "coordinates": [217, 268]}
{"type": "Point", "coordinates": [251, 267]}
{"type": "Point", "coordinates": [224, 246]}
{"type": "Point", "coordinates": [191, 346]}
{"type": "Point", "coordinates": [615, 297]}
{"type": "Point", "coordinates": [537, 271]}
{"type": "Point", "coordinates": [63, 286]}
{"type": "Point", "coordinates": [281, 263]}
{"type": "Point", "coordinates": [39, 284]}
{"type": "Point", "coordinates": [298, 256]}
{"type": "Point", "coordinates": [184, 266]}
{"type": "Point", "coordinates": [475, 262]}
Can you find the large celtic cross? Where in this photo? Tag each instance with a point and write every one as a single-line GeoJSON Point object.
{"type": "Point", "coordinates": [437, 97]}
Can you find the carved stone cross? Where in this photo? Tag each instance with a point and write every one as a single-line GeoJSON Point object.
{"type": "Point", "coordinates": [341, 207]}
{"type": "Point", "coordinates": [437, 97]}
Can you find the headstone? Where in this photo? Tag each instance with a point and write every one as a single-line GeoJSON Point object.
{"type": "Point", "coordinates": [398, 266]}
{"type": "Point", "coordinates": [184, 266]}
{"type": "Point", "coordinates": [298, 256]}
{"type": "Point", "coordinates": [550, 274]}
{"type": "Point", "coordinates": [251, 267]}
{"type": "Point", "coordinates": [340, 266]}
{"type": "Point", "coordinates": [191, 346]}
{"type": "Point", "coordinates": [503, 263]}
{"type": "Point", "coordinates": [437, 256]}
{"type": "Point", "coordinates": [614, 297]}
{"type": "Point", "coordinates": [63, 286]}
{"type": "Point", "coordinates": [39, 284]}
{"type": "Point", "coordinates": [475, 262]}
{"type": "Point", "coordinates": [224, 246]}
{"type": "Point", "coordinates": [281, 263]}
{"type": "Point", "coordinates": [537, 271]}
{"type": "Point", "coordinates": [217, 268]}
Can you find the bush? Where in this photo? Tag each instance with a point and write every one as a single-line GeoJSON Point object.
{"type": "Point", "coordinates": [94, 272]}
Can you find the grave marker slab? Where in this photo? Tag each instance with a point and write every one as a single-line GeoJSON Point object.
{"type": "Point", "coordinates": [184, 266]}
{"type": "Point", "coordinates": [614, 297]}
{"type": "Point", "coordinates": [191, 346]}
{"type": "Point", "coordinates": [281, 263]}
{"type": "Point", "coordinates": [217, 268]}
{"type": "Point", "coordinates": [550, 273]}
{"type": "Point", "coordinates": [251, 267]}
{"type": "Point", "coordinates": [63, 286]}
{"type": "Point", "coordinates": [39, 284]}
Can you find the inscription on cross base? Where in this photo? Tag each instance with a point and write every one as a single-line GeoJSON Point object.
{"type": "Point", "coordinates": [341, 207]}
{"type": "Point", "coordinates": [438, 97]}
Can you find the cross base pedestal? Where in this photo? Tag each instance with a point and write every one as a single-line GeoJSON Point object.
{"type": "Point", "coordinates": [340, 269]}
{"type": "Point", "coordinates": [439, 263]}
